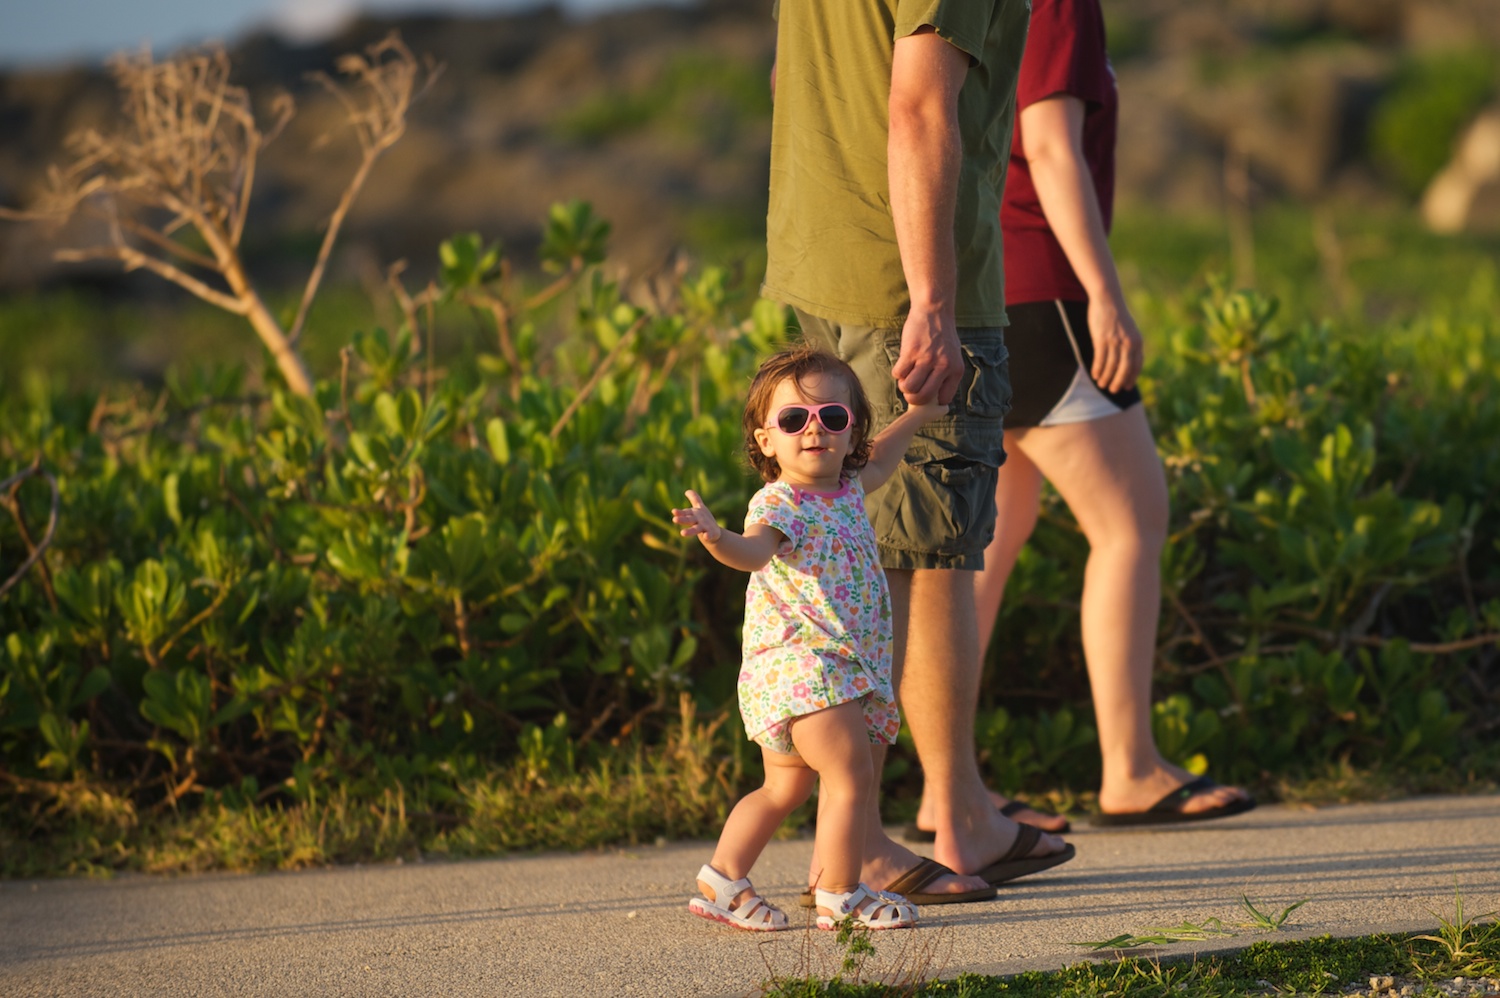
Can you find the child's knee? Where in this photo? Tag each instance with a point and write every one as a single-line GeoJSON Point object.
{"type": "Point", "coordinates": [788, 788]}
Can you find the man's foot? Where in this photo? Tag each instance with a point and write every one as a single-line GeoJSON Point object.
{"type": "Point", "coordinates": [1139, 795]}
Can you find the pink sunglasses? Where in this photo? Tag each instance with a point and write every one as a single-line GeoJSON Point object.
{"type": "Point", "coordinates": [834, 417]}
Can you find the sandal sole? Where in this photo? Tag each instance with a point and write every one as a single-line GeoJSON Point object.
{"type": "Point", "coordinates": [733, 923]}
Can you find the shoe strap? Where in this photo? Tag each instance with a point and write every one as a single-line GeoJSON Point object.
{"type": "Point", "coordinates": [725, 890]}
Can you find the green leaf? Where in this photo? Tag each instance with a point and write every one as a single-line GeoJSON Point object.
{"type": "Point", "coordinates": [96, 682]}
{"type": "Point", "coordinates": [387, 409]}
{"type": "Point", "coordinates": [514, 623]}
{"type": "Point", "coordinates": [170, 499]}
{"type": "Point", "coordinates": [498, 440]}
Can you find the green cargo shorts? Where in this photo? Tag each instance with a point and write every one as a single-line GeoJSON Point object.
{"type": "Point", "coordinates": [938, 510]}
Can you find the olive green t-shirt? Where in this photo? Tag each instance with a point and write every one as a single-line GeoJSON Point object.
{"type": "Point", "coordinates": [831, 242]}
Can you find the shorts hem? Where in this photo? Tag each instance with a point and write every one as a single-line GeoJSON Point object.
{"type": "Point", "coordinates": [904, 560]}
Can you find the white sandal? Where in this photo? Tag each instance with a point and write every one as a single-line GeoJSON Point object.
{"type": "Point", "coordinates": [886, 910]}
{"type": "Point", "coordinates": [755, 913]}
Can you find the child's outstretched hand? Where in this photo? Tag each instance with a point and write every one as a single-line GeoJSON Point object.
{"type": "Point", "coordinates": [699, 521]}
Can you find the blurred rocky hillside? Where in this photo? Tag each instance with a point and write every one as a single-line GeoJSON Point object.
{"type": "Point", "coordinates": [660, 116]}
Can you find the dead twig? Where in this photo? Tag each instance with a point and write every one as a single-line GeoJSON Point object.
{"type": "Point", "coordinates": [183, 163]}
{"type": "Point", "coordinates": [386, 84]}
{"type": "Point", "coordinates": [598, 375]}
{"type": "Point", "coordinates": [34, 551]}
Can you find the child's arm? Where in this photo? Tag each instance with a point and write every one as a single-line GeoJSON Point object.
{"type": "Point", "coordinates": [748, 552]}
{"type": "Point", "coordinates": [889, 446]}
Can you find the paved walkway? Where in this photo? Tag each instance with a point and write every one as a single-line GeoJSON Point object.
{"type": "Point", "coordinates": [614, 923]}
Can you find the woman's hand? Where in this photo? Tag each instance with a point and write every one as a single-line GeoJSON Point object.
{"type": "Point", "coordinates": [1118, 349]}
{"type": "Point", "coordinates": [699, 521]}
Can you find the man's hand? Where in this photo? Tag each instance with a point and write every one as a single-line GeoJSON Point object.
{"type": "Point", "coordinates": [1118, 349]}
{"type": "Point", "coordinates": [931, 363]}
{"type": "Point", "coordinates": [699, 521]}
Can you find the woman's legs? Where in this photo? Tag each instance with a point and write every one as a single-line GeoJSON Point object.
{"type": "Point", "coordinates": [1108, 472]}
{"type": "Point", "coordinates": [1017, 496]}
{"type": "Point", "coordinates": [756, 817]}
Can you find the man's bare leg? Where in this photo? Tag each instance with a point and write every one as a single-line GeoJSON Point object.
{"type": "Point", "coordinates": [938, 644]}
{"type": "Point", "coordinates": [1016, 498]}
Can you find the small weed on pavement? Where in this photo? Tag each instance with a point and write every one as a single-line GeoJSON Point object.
{"type": "Point", "coordinates": [1469, 947]}
{"type": "Point", "coordinates": [1188, 932]}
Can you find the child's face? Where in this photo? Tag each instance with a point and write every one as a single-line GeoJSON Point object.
{"type": "Point", "coordinates": [813, 458]}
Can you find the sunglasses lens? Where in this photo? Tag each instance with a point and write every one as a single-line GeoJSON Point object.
{"type": "Point", "coordinates": [792, 419]}
{"type": "Point", "coordinates": [835, 418]}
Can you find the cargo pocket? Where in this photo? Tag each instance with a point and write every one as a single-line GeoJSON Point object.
{"type": "Point", "coordinates": [987, 392]}
{"type": "Point", "coordinates": [895, 404]}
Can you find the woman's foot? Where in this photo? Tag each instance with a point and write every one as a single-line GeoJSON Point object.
{"type": "Point", "coordinates": [1138, 794]}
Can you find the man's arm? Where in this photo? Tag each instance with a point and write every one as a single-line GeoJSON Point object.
{"type": "Point", "coordinates": [1052, 141]}
{"type": "Point", "coordinates": [923, 155]}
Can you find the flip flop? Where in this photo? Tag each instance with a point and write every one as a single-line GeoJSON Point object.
{"type": "Point", "coordinates": [1168, 810]}
{"type": "Point", "coordinates": [1018, 863]}
{"type": "Point", "coordinates": [909, 885]}
{"type": "Point", "coordinates": [911, 833]}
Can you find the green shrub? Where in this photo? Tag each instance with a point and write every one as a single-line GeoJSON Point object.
{"type": "Point", "coordinates": [1332, 571]}
{"type": "Point", "coordinates": [457, 596]}
{"type": "Point", "coordinates": [396, 577]}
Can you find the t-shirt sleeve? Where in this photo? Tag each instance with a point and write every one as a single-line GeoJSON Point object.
{"type": "Point", "coordinates": [962, 23]}
{"type": "Point", "coordinates": [1064, 53]}
{"type": "Point", "coordinates": [778, 510]}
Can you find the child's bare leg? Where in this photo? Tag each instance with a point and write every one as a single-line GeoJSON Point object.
{"type": "Point", "coordinates": [757, 816]}
{"type": "Point", "coordinates": [836, 744]}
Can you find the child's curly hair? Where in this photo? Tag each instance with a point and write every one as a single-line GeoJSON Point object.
{"type": "Point", "coordinates": [799, 364]}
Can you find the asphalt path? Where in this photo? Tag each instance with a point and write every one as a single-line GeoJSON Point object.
{"type": "Point", "coordinates": [615, 922]}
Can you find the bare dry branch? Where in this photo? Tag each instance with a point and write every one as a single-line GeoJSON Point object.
{"type": "Point", "coordinates": [134, 259]}
{"type": "Point", "coordinates": [385, 83]}
{"type": "Point", "coordinates": [187, 146]}
{"type": "Point", "coordinates": [9, 487]}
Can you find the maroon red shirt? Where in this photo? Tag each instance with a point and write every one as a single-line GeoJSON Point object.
{"type": "Point", "coordinates": [1064, 55]}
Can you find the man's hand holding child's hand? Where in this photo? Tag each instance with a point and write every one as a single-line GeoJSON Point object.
{"type": "Point", "coordinates": [699, 521]}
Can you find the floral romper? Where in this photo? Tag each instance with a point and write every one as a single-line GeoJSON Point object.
{"type": "Point", "coordinates": [817, 618]}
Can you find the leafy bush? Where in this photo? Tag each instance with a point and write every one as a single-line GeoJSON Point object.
{"type": "Point", "coordinates": [431, 602]}
{"type": "Point", "coordinates": [394, 581]}
{"type": "Point", "coordinates": [1331, 577]}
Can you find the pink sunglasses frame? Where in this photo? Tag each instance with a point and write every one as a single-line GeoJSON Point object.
{"type": "Point", "coordinates": [814, 413]}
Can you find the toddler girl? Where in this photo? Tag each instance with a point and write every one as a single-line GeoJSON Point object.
{"type": "Point", "coordinates": [815, 683]}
